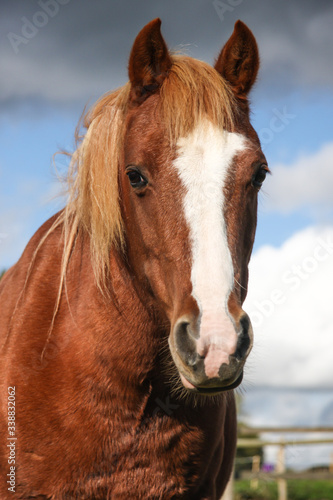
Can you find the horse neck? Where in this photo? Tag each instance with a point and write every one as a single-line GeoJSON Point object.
{"type": "Point", "coordinates": [116, 330]}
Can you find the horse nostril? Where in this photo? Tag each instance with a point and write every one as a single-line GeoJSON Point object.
{"type": "Point", "coordinates": [244, 340]}
{"type": "Point", "coordinates": [185, 343]}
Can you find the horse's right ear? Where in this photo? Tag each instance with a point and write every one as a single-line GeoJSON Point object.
{"type": "Point", "coordinates": [149, 61]}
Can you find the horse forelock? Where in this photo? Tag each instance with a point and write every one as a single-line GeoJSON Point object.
{"type": "Point", "coordinates": [194, 91]}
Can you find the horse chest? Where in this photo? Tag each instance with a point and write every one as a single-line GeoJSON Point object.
{"type": "Point", "coordinates": [159, 458]}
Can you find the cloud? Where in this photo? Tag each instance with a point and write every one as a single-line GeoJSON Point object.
{"type": "Point", "coordinates": [81, 50]}
{"type": "Point", "coordinates": [297, 47]}
{"type": "Point", "coordinates": [289, 303]}
{"type": "Point", "coordinates": [307, 182]}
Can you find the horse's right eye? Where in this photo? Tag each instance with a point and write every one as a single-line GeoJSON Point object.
{"type": "Point", "coordinates": [137, 180]}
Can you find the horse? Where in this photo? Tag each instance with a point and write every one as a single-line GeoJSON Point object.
{"type": "Point", "coordinates": [122, 330]}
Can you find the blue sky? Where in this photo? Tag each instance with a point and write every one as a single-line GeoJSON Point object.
{"type": "Point", "coordinates": [310, 128]}
{"type": "Point", "coordinates": [82, 52]}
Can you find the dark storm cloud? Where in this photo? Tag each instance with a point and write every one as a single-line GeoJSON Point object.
{"type": "Point", "coordinates": [74, 50]}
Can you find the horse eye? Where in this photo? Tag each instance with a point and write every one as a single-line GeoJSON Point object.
{"type": "Point", "coordinates": [259, 177]}
{"type": "Point", "coordinates": [136, 179]}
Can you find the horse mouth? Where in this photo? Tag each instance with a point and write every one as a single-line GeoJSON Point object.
{"type": "Point", "coordinates": [211, 391]}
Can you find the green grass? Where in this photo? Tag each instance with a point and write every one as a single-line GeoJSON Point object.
{"type": "Point", "coordinates": [310, 490]}
{"type": "Point", "coordinates": [265, 491]}
{"type": "Point", "coordinates": [298, 489]}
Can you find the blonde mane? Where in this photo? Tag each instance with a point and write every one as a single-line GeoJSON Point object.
{"type": "Point", "coordinates": [192, 90]}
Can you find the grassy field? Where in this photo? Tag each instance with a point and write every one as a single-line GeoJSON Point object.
{"type": "Point", "coordinates": [297, 490]}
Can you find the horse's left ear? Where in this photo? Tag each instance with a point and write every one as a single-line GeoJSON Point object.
{"type": "Point", "coordinates": [238, 61]}
{"type": "Point", "coordinates": [149, 61]}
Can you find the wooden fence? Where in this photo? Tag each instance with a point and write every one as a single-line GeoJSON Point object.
{"type": "Point", "coordinates": [280, 475]}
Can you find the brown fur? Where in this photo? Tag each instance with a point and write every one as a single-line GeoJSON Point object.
{"type": "Point", "coordinates": [86, 311]}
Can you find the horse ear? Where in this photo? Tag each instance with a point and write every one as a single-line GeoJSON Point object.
{"type": "Point", "coordinates": [149, 61]}
{"type": "Point", "coordinates": [238, 61]}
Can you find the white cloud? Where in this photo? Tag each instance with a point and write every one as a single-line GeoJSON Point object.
{"type": "Point", "coordinates": [289, 303]}
{"type": "Point", "coordinates": [307, 182]}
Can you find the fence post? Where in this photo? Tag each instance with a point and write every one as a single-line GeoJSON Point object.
{"type": "Point", "coordinates": [255, 470]}
{"type": "Point", "coordinates": [280, 469]}
{"type": "Point", "coordinates": [331, 463]}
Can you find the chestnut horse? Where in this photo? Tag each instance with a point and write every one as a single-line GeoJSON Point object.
{"type": "Point", "coordinates": [122, 329]}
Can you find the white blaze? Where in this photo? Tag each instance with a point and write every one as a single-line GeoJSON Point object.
{"type": "Point", "coordinates": [203, 162]}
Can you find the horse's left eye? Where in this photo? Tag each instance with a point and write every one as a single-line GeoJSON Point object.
{"type": "Point", "coordinates": [259, 177]}
{"type": "Point", "coordinates": [136, 179]}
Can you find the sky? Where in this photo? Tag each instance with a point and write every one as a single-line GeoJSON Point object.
{"type": "Point", "coordinates": [57, 56]}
